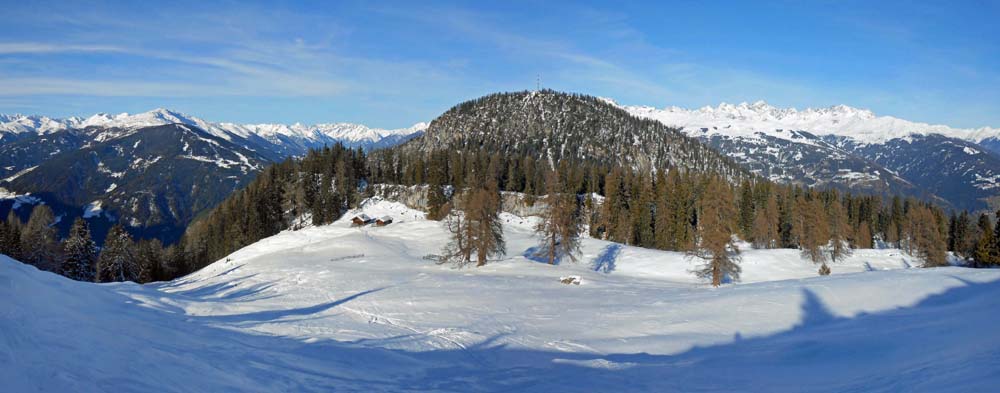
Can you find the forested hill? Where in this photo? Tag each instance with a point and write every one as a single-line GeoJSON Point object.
{"type": "Point", "coordinates": [555, 126]}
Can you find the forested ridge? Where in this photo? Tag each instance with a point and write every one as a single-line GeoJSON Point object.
{"type": "Point", "coordinates": [673, 194]}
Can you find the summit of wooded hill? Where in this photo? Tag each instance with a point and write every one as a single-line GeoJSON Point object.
{"type": "Point", "coordinates": [563, 126]}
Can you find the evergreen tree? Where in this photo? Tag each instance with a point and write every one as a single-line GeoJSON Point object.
{"type": "Point", "coordinates": [642, 212]}
{"type": "Point", "coordinates": [983, 255]}
{"type": "Point", "coordinates": [614, 210]}
{"type": "Point", "coordinates": [38, 240]}
{"type": "Point", "coordinates": [746, 213]}
{"type": "Point", "coordinates": [436, 198]}
{"type": "Point", "coordinates": [150, 258]}
{"type": "Point", "coordinates": [786, 219]}
{"type": "Point", "coordinates": [897, 214]}
{"type": "Point", "coordinates": [80, 253]}
{"type": "Point", "coordinates": [559, 228]}
{"type": "Point", "coordinates": [681, 206]}
{"type": "Point", "coordinates": [963, 238]}
{"type": "Point", "coordinates": [716, 228]}
{"type": "Point", "coordinates": [117, 261]}
{"type": "Point", "coordinates": [10, 243]}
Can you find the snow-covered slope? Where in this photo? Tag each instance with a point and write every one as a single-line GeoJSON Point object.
{"type": "Point", "coordinates": [747, 119]}
{"type": "Point", "coordinates": [359, 309]}
{"type": "Point", "coordinates": [309, 134]}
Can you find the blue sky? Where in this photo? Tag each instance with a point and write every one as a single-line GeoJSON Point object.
{"type": "Point", "coordinates": [393, 64]}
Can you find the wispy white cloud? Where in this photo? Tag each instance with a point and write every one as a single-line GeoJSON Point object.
{"type": "Point", "coordinates": [11, 48]}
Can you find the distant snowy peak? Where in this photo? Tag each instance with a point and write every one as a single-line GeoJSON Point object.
{"type": "Point", "coordinates": [747, 119]}
{"type": "Point", "coordinates": [318, 133]}
{"type": "Point", "coordinates": [17, 124]}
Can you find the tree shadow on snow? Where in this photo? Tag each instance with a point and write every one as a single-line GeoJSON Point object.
{"type": "Point", "coordinates": [538, 254]}
{"type": "Point", "coordinates": [274, 315]}
{"type": "Point", "coordinates": [605, 261]}
{"type": "Point", "coordinates": [230, 291]}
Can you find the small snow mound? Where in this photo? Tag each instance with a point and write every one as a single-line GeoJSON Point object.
{"type": "Point", "coordinates": [575, 280]}
{"type": "Point", "coordinates": [603, 364]}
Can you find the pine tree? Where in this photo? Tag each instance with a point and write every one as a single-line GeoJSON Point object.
{"type": "Point", "coordinates": [786, 219]}
{"type": "Point", "coordinates": [559, 228]}
{"type": "Point", "coordinates": [746, 212]}
{"type": "Point", "coordinates": [995, 247]}
{"type": "Point", "coordinates": [983, 255]}
{"type": "Point", "coordinates": [812, 231]}
{"type": "Point", "coordinates": [436, 198]}
{"type": "Point", "coordinates": [613, 208]}
{"type": "Point", "coordinates": [863, 239]}
{"type": "Point", "coordinates": [681, 206]}
{"type": "Point", "coordinates": [765, 225]}
{"type": "Point", "coordinates": [80, 253]}
{"type": "Point", "coordinates": [964, 236]}
{"type": "Point", "coordinates": [839, 230]}
{"type": "Point", "coordinates": [662, 217]}
{"type": "Point", "coordinates": [458, 251]}
{"type": "Point", "coordinates": [117, 261]}
{"type": "Point", "coordinates": [923, 236]}
{"type": "Point", "coordinates": [477, 227]}
{"type": "Point", "coordinates": [10, 243]}
{"type": "Point", "coordinates": [38, 240]}
{"type": "Point", "coordinates": [893, 233]}
{"type": "Point", "coordinates": [716, 228]}
{"type": "Point", "coordinates": [642, 212]}
{"type": "Point", "coordinates": [483, 215]}
{"type": "Point", "coordinates": [149, 256]}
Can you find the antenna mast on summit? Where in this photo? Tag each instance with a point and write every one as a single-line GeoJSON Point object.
{"type": "Point", "coordinates": [538, 82]}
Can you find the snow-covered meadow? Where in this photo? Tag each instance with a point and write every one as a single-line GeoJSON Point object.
{"type": "Point", "coordinates": [361, 309]}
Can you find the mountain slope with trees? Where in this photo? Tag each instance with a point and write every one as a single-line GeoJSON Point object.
{"type": "Point", "coordinates": [558, 126]}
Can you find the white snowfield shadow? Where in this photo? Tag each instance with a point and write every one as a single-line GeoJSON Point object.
{"type": "Point", "coordinates": [294, 313]}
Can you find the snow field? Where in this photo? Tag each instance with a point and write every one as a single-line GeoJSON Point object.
{"type": "Point", "coordinates": [352, 309]}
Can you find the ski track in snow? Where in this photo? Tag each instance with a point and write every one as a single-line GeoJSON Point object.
{"type": "Point", "coordinates": [359, 309]}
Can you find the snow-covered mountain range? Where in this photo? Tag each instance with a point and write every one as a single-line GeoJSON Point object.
{"type": "Point", "coordinates": [748, 119]}
{"type": "Point", "coordinates": [849, 148]}
{"type": "Point", "coordinates": [318, 134]}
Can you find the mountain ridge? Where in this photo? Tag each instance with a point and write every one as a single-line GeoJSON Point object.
{"type": "Point", "coordinates": [320, 132]}
{"type": "Point", "coordinates": [849, 148]}
{"type": "Point", "coordinates": [840, 120]}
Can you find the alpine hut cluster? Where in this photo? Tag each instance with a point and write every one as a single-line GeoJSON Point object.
{"type": "Point", "coordinates": [364, 219]}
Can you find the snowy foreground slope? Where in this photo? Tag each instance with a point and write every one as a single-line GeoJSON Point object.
{"type": "Point", "coordinates": [348, 309]}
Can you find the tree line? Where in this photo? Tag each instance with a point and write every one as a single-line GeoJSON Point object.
{"type": "Point", "coordinates": [670, 209]}
{"type": "Point", "coordinates": [122, 258]}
